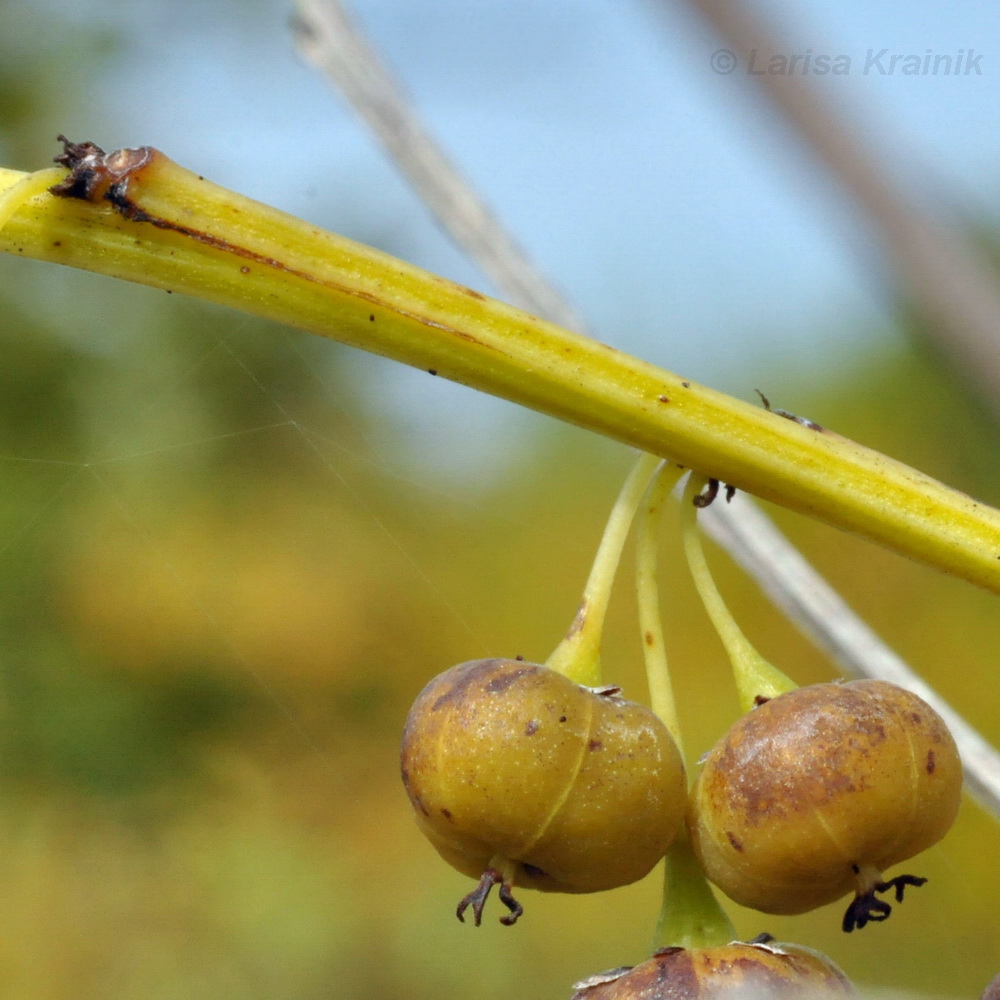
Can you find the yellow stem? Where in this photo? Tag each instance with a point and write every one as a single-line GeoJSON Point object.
{"type": "Point", "coordinates": [578, 656]}
{"type": "Point", "coordinates": [661, 691]}
{"type": "Point", "coordinates": [27, 187]}
{"type": "Point", "coordinates": [189, 235]}
{"type": "Point", "coordinates": [755, 677]}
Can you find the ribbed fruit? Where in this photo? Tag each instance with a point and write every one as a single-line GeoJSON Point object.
{"type": "Point", "coordinates": [816, 792]}
{"type": "Point", "coordinates": [514, 768]}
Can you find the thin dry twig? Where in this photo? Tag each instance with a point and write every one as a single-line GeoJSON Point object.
{"type": "Point", "coordinates": [937, 268]}
{"type": "Point", "coordinates": [327, 37]}
{"type": "Point", "coordinates": [332, 42]}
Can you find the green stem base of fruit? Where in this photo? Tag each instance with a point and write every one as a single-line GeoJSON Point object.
{"type": "Point", "coordinates": [691, 916]}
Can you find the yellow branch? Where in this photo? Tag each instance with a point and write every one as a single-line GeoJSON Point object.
{"type": "Point", "coordinates": [173, 229]}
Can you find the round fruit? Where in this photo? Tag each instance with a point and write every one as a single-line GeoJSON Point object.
{"type": "Point", "coordinates": [759, 969]}
{"type": "Point", "coordinates": [520, 776]}
{"type": "Point", "coordinates": [816, 792]}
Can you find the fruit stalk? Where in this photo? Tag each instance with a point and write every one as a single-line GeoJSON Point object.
{"type": "Point", "coordinates": [578, 656]}
{"type": "Point", "coordinates": [690, 915]}
{"type": "Point", "coordinates": [170, 228]}
{"type": "Point", "coordinates": [661, 690]}
{"type": "Point", "coordinates": [755, 677]}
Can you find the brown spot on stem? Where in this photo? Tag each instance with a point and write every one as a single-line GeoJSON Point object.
{"type": "Point", "coordinates": [930, 762]}
{"type": "Point", "coordinates": [579, 619]}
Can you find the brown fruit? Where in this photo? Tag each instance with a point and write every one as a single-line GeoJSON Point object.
{"type": "Point", "coordinates": [816, 792]}
{"type": "Point", "coordinates": [992, 991]}
{"type": "Point", "coordinates": [518, 774]}
{"type": "Point", "coordinates": [758, 969]}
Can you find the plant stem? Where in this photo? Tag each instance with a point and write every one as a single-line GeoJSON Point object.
{"type": "Point", "coordinates": [661, 691]}
{"type": "Point", "coordinates": [26, 187]}
{"type": "Point", "coordinates": [755, 677]}
{"type": "Point", "coordinates": [691, 916]}
{"type": "Point", "coordinates": [173, 229]}
{"type": "Point", "coordinates": [578, 656]}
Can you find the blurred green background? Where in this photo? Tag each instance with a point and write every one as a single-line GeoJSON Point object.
{"type": "Point", "coordinates": [229, 565]}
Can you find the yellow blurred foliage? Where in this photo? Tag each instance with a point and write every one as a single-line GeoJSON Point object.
{"type": "Point", "coordinates": [283, 584]}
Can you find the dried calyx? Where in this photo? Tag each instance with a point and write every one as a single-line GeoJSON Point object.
{"type": "Point", "coordinates": [95, 175]}
{"type": "Point", "coordinates": [866, 907]}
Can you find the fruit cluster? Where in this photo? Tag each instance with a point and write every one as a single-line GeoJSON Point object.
{"type": "Point", "coordinates": [514, 769]}
{"type": "Point", "coordinates": [520, 776]}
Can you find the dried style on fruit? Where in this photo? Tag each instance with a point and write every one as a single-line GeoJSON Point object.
{"type": "Point", "coordinates": [816, 792]}
{"type": "Point", "coordinates": [519, 776]}
{"type": "Point", "coordinates": [757, 969]}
